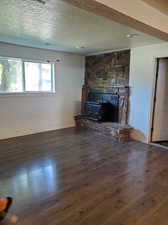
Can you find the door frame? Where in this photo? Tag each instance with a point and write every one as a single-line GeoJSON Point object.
{"type": "Point", "coordinates": [154, 98]}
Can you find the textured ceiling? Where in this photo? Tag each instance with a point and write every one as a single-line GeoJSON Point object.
{"type": "Point", "coordinates": [60, 26]}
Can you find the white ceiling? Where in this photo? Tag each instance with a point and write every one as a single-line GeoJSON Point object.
{"type": "Point", "coordinates": [59, 26]}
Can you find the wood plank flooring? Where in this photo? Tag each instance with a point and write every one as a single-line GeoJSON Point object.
{"type": "Point", "coordinates": [71, 177]}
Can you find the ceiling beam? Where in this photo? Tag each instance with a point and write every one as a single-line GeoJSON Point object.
{"type": "Point", "coordinates": [161, 5]}
{"type": "Point", "coordinates": [112, 14]}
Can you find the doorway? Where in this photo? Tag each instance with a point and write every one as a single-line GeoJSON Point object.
{"type": "Point", "coordinates": [159, 131]}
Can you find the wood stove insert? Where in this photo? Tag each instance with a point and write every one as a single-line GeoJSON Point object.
{"type": "Point", "coordinates": [102, 107]}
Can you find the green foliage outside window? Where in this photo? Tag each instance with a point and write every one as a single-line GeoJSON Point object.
{"type": "Point", "coordinates": [10, 71]}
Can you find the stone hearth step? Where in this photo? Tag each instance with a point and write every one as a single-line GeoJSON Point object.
{"type": "Point", "coordinates": [118, 131]}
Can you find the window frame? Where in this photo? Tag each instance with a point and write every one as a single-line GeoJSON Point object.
{"type": "Point", "coordinates": [53, 85]}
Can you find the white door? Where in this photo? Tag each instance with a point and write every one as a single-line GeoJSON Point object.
{"type": "Point", "coordinates": [160, 122]}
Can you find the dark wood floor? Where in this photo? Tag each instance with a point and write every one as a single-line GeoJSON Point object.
{"type": "Point", "coordinates": [69, 177]}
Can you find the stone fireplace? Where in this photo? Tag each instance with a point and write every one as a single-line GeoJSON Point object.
{"type": "Point", "coordinates": [105, 94]}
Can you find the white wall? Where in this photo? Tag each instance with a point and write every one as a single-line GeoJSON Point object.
{"type": "Point", "coordinates": [142, 80]}
{"type": "Point", "coordinates": [23, 114]}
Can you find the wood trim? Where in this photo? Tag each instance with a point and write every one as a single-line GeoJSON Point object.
{"type": "Point", "coordinates": [161, 5]}
{"type": "Point", "coordinates": [112, 14]}
{"type": "Point", "coordinates": [154, 100]}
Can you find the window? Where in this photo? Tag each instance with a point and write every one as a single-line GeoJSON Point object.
{"type": "Point", "coordinates": [11, 79]}
{"type": "Point", "coordinates": [17, 75]}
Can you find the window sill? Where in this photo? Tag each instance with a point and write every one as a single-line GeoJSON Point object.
{"type": "Point", "coordinates": [24, 94]}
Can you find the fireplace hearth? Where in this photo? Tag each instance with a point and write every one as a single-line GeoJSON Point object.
{"type": "Point", "coordinates": [105, 112]}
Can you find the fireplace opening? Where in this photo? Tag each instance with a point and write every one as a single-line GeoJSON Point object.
{"type": "Point", "coordinates": [102, 107]}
